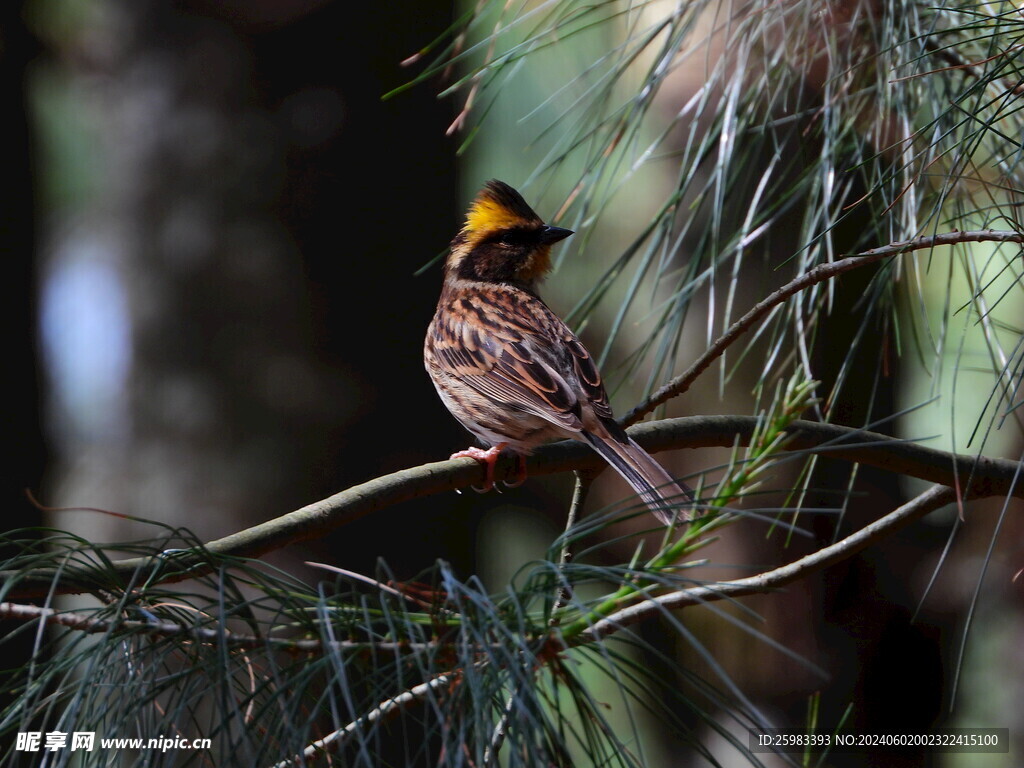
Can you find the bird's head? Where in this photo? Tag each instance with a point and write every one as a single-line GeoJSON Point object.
{"type": "Point", "coordinates": [503, 240]}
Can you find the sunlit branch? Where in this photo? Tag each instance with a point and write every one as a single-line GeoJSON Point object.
{"type": "Point", "coordinates": [978, 476]}
{"type": "Point", "coordinates": [818, 274]}
{"type": "Point", "coordinates": [934, 498]}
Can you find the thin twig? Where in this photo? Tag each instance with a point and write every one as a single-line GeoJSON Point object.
{"type": "Point", "coordinates": [813, 276]}
{"type": "Point", "coordinates": [934, 498]}
{"type": "Point", "coordinates": [500, 731]}
{"type": "Point", "coordinates": [91, 625]}
{"type": "Point", "coordinates": [579, 496]}
{"type": "Point", "coordinates": [337, 738]}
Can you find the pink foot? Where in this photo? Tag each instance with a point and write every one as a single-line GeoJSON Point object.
{"type": "Point", "coordinates": [487, 458]}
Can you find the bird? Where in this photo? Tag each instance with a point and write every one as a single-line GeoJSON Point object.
{"type": "Point", "coordinates": [509, 369]}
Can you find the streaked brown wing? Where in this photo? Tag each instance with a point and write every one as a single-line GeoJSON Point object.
{"type": "Point", "coordinates": [588, 375]}
{"type": "Point", "coordinates": [497, 344]}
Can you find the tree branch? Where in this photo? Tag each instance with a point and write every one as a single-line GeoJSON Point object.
{"type": "Point", "coordinates": [978, 476]}
{"type": "Point", "coordinates": [813, 276]}
{"type": "Point", "coordinates": [934, 498]}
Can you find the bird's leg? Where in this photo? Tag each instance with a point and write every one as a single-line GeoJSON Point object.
{"type": "Point", "coordinates": [487, 458]}
{"type": "Point", "coordinates": [520, 476]}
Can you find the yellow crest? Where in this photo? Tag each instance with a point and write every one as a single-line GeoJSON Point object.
{"type": "Point", "coordinates": [498, 206]}
{"type": "Point", "coordinates": [487, 215]}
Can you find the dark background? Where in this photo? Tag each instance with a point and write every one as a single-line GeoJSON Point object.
{"type": "Point", "coordinates": [291, 324]}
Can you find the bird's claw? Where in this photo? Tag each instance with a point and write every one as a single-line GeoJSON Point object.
{"type": "Point", "coordinates": [520, 477]}
{"type": "Point", "coordinates": [489, 458]}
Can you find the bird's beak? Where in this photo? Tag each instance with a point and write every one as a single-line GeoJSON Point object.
{"type": "Point", "coordinates": [553, 234]}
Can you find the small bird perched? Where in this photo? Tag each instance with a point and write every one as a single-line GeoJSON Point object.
{"type": "Point", "coordinates": [508, 368]}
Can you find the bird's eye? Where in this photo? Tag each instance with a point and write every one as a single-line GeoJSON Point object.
{"type": "Point", "coordinates": [509, 238]}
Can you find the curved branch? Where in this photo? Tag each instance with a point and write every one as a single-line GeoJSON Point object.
{"type": "Point", "coordinates": [978, 476]}
{"type": "Point", "coordinates": [937, 496]}
{"type": "Point", "coordinates": [813, 276]}
{"type": "Point", "coordinates": [934, 498]}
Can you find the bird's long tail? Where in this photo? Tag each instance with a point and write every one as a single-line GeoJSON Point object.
{"type": "Point", "coordinates": [667, 498]}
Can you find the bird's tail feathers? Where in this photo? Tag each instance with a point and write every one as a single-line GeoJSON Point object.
{"type": "Point", "coordinates": [668, 498]}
